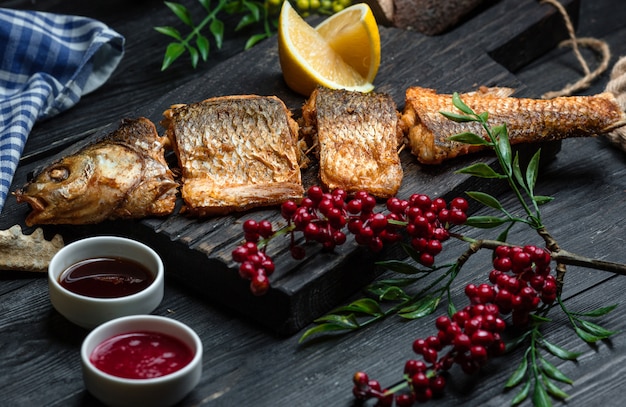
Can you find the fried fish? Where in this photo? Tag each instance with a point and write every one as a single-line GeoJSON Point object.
{"type": "Point", "coordinates": [122, 176]}
{"type": "Point", "coordinates": [235, 153]}
{"type": "Point", "coordinates": [357, 137]}
{"type": "Point", "coordinates": [527, 120]}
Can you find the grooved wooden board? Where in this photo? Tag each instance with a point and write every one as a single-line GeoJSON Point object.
{"type": "Point", "coordinates": [486, 50]}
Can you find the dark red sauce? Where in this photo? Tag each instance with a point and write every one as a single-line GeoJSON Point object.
{"type": "Point", "coordinates": [106, 277]}
{"type": "Point", "coordinates": [141, 355]}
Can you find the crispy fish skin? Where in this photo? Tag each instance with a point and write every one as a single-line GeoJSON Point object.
{"type": "Point", "coordinates": [357, 139]}
{"type": "Point", "coordinates": [123, 176]}
{"type": "Point", "coordinates": [527, 120]}
{"type": "Point", "coordinates": [235, 153]}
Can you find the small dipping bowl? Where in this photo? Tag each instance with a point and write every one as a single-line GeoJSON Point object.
{"type": "Point", "coordinates": [165, 390]}
{"type": "Point", "coordinates": [89, 312]}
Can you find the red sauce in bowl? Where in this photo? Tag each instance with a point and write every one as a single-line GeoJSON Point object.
{"type": "Point", "coordinates": [141, 355]}
{"type": "Point", "coordinates": [106, 277]}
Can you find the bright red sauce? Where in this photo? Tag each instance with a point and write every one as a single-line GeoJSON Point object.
{"type": "Point", "coordinates": [106, 277]}
{"type": "Point", "coordinates": [141, 355]}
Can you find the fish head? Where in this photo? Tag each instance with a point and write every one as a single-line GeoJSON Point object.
{"type": "Point", "coordinates": [57, 192]}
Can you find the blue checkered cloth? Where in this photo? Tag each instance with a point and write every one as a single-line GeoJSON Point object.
{"type": "Point", "coordinates": [47, 62]}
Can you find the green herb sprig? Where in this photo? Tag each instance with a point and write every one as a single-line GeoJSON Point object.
{"type": "Point", "coordinates": [197, 44]}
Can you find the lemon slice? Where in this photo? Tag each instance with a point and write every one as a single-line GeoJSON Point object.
{"type": "Point", "coordinates": [353, 34]}
{"type": "Point", "coordinates": [307, 59]}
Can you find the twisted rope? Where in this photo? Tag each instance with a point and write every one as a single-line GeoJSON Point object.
{"type": "Point", "coordinates": [599, 46]}
{"type": "Point", "coordinates": [617, 82]}
{"type": "Point", "coordinates": [617, 86]}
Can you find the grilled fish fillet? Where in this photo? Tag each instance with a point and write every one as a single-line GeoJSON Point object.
{"type": "Point", "coordinates": [527, 120]}
{"type": "Point", "coordinates": [357, 139]}
{"type": "Point", "coordinates": [235, 153]}
{"type": "Point", "coordinates": [122, 176]}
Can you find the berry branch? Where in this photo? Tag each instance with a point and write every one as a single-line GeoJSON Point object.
{"type": "Point", "coordinates": [520, 292]}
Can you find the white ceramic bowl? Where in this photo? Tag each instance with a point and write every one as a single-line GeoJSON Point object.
{"type": "Point", "coordinates": [90, 312]}
{"type": "Point", "coordinates": [155, 392]}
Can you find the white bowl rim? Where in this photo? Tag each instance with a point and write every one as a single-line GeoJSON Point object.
{"type": "Point", "coordinates": [158, 278]}
{"type": "Point", "coordinates": [190, 366]}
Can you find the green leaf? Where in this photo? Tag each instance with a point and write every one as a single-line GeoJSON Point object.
{"type": "Point", "coordinates": [364, 306]}
{"type": "Point", "coordinates": [203, 45]}
{"type": "Point", "coordinates": [560, 352]}
{"type": "Point", "coordinates": [206, 4]}
{"type": "Point", "coordinates": [518, 375]}
{"type": "Point", "coordinates": [426, 306]}
{"type": "Point", "coordinates": [217, 29]}
{"type": "Point", "coordinates": [484, 222]}
{"type": "Point", "coordinates": [319, 329]}
{"type": "Point", "coordinates": [541, 200]}
{"type": "Point", "coordinates": [345, 321]}
{"type": "Point", "coordinates": [598, 312]}
{"type": "Point", "coordinates": [193, 53]}
{"type": "Point", "coordinates": [451, 308]}
{"type": "Point", "coordinates": [483, 117]}
{"type": "Point", "coordinates": [459, 104]}
{"type": "Point", "coordinates": [596, 329]}
{"type": "Point", "coordinates": [459, 118]}
{"type": "Point", "coordinates": [522, 395]}
{"type": "Point", "coordinates": [469, 138]}
{"type": "Point", "coordinates": [245, 21]}
{"type": "Point", "coordinates": [481, 170]}
{"type": "Point", "coordinates": [393, 293]}
{"type": "Point", "coordinates": [503, 236]}
{"type": "Point", "coordinates": [532, 171]}
{"type": "Point", "coordinates": [553, 372]}
{"type": "Point", "coordinates": [254, 9]}
{"type": "Point", "coordinates": [555, 391]}
{"type": "Point", "coordinates": [181, 12]}
{"type": "Point", "coordinates": [255, 39]}
{"type": "Point", "coordinates": [517, 171]}
{"type": "Point", "coordinates": [540, 396]}
{"type": "Point", "coordinates": [485, 199]}
{"type": "Point", "coordinates": [173, 51]}
{"type": "Point", "coordinates": [504, 146]}
{"type": "Point", "coordinates": [169, 31]}
{"type": "Point", "coordinates": [401, 267]}
{"type": "Point", "coordinates": [586, 336]}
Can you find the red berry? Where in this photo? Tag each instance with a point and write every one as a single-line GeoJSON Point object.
{"type": "Point", "coordinates": [443, 322]}
{"type": "Point", "coordinates": [360, 379]}
{"type": "Point", "coordinates": [437, 384]}
{"type": "Point", "coordinates": [297, 252]}
{"type": "Point", "coordinates": [259, 284]}
{"type": "Point", "coordinates": [459, 203]}
{"type": "Point", "coordinates": [420, 380]}
{"type": "Point", "coordinates": [427, 259]}
{"type": "Point", "coordinates": [502, 264]}
{"type": "Point", "coordinates": [315, 193]}
{"type": "Point", "coordinates": [457, 217]}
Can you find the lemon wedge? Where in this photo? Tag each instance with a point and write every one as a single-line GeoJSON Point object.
{"type": "Point", "coordinates": [342, 52]}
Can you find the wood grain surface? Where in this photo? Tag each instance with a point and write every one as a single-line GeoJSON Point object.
{"type": "Point", "coordinates": [246, 363]}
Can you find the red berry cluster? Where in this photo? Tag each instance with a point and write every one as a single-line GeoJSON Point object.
{"type": "Point", "coordinates": [323, 218]}
{"type": "Point", "coordinates": [469, 339]}
{"type": "Point", "coordinates": [472, 335]}
{"type": "Point", "coordinates": [522, 281]}
{"type": "Point", "coordinates": [255, 266]}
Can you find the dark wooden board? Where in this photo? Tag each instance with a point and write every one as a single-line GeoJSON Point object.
{"type": "Point", "coordinates": [485, 50]}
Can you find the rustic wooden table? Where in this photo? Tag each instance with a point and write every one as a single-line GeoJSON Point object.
{"type": "Point", "coordinates": [246, 363]}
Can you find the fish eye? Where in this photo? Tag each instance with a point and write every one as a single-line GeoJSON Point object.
{"type": "Point", "coordinates": [59, 174]}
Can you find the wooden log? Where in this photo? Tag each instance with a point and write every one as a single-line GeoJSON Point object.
{"type": "Point", "coordinates": [430, 17]}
